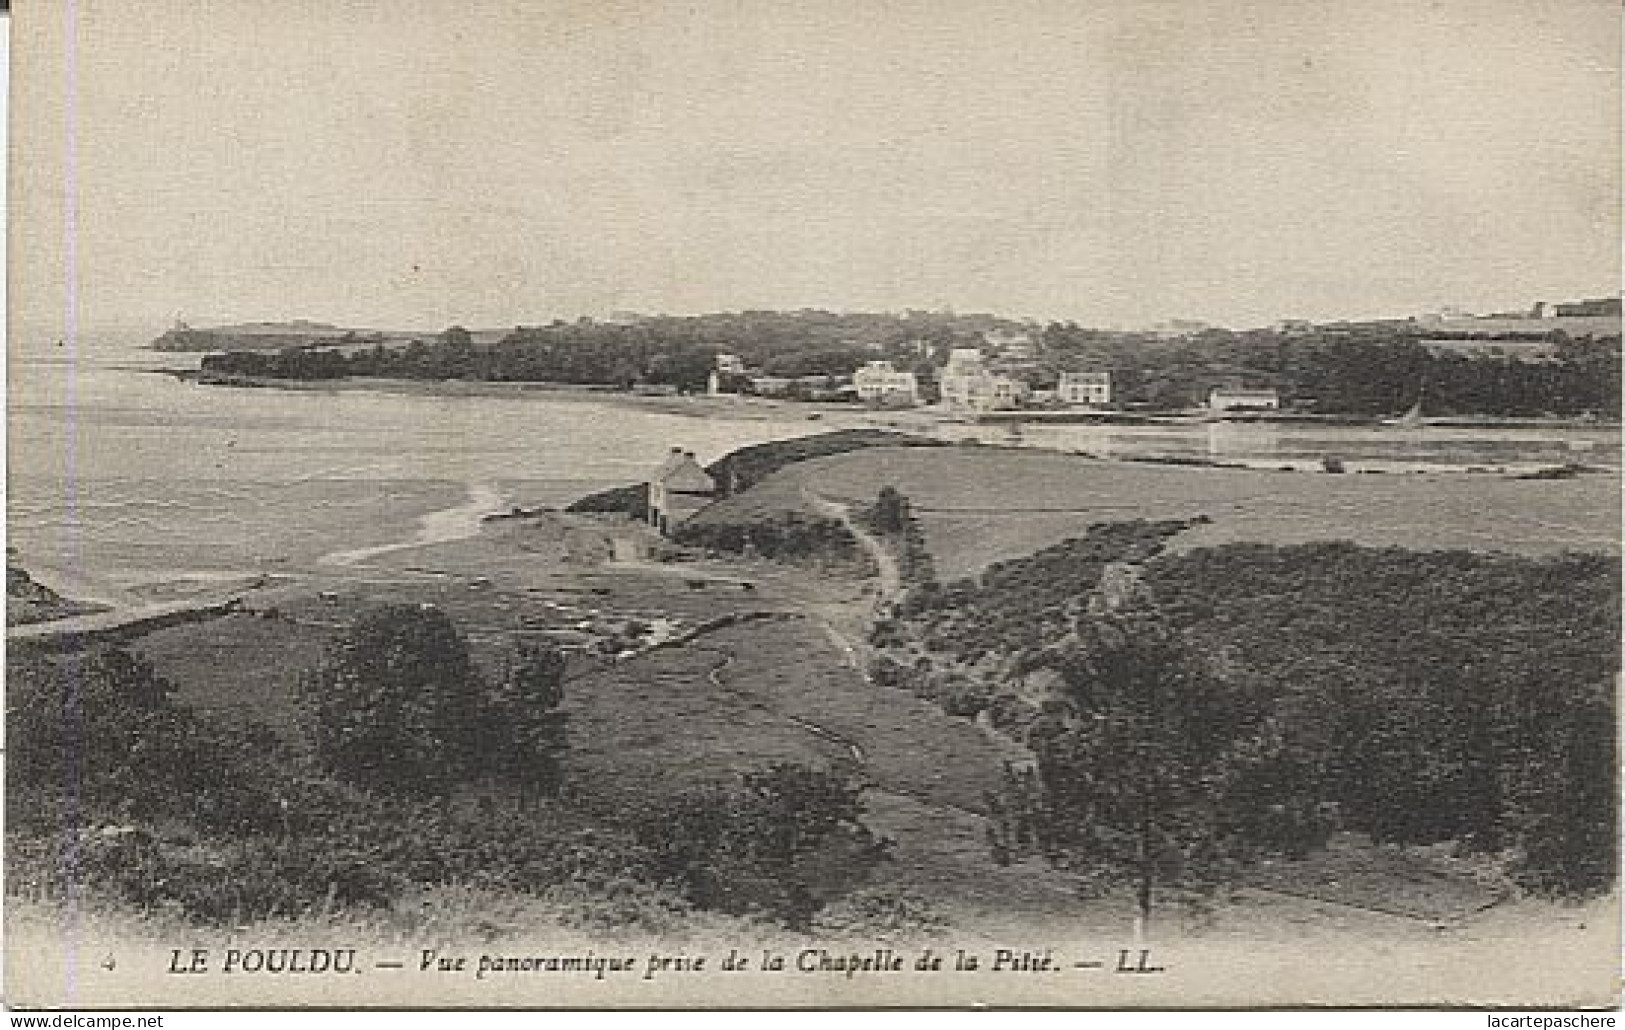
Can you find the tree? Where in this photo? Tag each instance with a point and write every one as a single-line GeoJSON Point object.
{"type": "Point", "coordinates": [95, 729]}
{"type": "Point", "coordinates": [1131, 767]}
{"type": "Point", "coordinates": [397, 704]}
{"type": "Point", "coordinates": [523, 714]}
{"type": "Point", "coordinates": [891, 511]}
{"type": "Point", "coordinates": [100, 734]}
{"type": "Point", "coordinates": [764, 845]}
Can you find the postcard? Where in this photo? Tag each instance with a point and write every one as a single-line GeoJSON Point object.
{"type": "Point", "coordinates": [866, 504]}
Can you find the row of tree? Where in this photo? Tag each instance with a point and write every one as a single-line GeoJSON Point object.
{"type": "Point", "coordinates": [1376, 371]}
{"type": "Point", "coordinates": [1364, 372]}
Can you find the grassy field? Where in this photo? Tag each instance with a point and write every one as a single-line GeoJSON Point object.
{"type": "Point", "coordinates": [732, 699]}
{"type": "Point", "coordinates": [782, 690]}
{"type": "Point", "coordinates": [980, 505]}
{"type": "Point", "coordinates": [518, 579]}
{"type": "Point", "coordinates": [787, 688]}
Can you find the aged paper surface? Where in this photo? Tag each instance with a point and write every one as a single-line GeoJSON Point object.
{"type": "Point", "coordinates": [643, 505]}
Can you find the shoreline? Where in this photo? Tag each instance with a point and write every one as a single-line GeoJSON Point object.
{"type": "Point", "coordinates": [443, 525]}
{"type": "Point", "coordinates": [735, 405]}
{"type": "Point", "coordinates": [752, 407]}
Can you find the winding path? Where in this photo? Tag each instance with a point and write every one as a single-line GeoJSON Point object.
{"type": "Point", "coordinates": [890, 574]}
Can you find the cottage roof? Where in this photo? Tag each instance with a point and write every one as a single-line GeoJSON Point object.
{"type": "Point", "coordinates": [683, 474]}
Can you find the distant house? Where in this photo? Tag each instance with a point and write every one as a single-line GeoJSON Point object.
{"type": "Point", "coordinates": [678, 490]}
{"type": "Point", "coordinates": [1009, 392]}
{"type": "Point", "coordinates": [1223, 398]}
{"type": "Point", "coordinates": [878, 382]}
{"type": "Point", "coordinates": [967, 382]}
{"type": "Point", "coordinates": [1085, 388]}
{"type": "Point", "coordinates": [726, 376]}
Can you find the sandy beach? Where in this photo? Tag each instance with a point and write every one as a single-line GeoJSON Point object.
{"type": "Point", "coordinates": [736, 406]}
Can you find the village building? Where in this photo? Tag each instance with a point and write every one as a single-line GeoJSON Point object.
{"type": "Point", "coordinates": [1223, 398]}
{"type": "Point", "coordinates": [1009, 392]}
{"type": "Point", "coordinates": [879, 382]}
{"type": "Point", "coordinates": [1093, 389]}
{"type": "Point", "coordinates": [677, 490]}
{"type": "Point", "coordinates": [967, 382]}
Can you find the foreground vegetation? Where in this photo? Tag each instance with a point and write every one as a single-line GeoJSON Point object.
{"type": "Point", "coordinates": [1197, 710]}
{"type": "Point", "coordinates": [415, 769]}
{"type": "Point", "coordinates": [1185, 715]}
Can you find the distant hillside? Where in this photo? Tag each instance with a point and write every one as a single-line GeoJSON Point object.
{"type": "Point", "coordinates": [270, 336]}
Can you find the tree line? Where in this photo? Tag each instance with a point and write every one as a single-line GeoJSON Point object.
{"type": "Point", "coordinates": [1363, 372]}
{"type": "Point", "coordinates": [1368, 371]}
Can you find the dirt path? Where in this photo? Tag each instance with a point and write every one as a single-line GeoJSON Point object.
{"type": "Point", "coordinates": [890, 575]}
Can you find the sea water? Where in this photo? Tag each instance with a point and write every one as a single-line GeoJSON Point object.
{"type": "Point", "coordinates": [121, 475]}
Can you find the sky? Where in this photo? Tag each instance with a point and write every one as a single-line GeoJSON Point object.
{"type": "Point", "coordinates": [1117, 162]}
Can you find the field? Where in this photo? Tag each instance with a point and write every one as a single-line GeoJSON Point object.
{"type": "Point", "coordinates": [980, 505]}
{"type": "Point", "coordinates": [786, 685]}
{"type": "Point", "coordinates": [520, 579]}
{"type": "Point", "coordinates": [781, 690]}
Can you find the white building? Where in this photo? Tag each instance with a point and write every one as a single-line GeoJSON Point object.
{"type": "Point", "coordinates": [1008, 392]}
{"type": "Point", "coordinates": [966, 382]}
{"type": "Point", "coordinates": [730, 364]}
{"type": "Point", "coordinates": [1234, 399]}
{"type": "Point", "coordinates": [1085, 388]}
{"type": "Point", "coordinates": [878, 382]}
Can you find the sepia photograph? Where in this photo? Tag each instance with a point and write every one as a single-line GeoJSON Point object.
{"type": "Point", "coordinates": [873, 504]}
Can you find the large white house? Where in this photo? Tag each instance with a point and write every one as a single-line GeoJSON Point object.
{"type": "Point", "coordinates": [1085, 388]}
{"type": "Point", "coordinates": [966, 382]}
{"type": "Point", "coordinates": [878, 382]}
